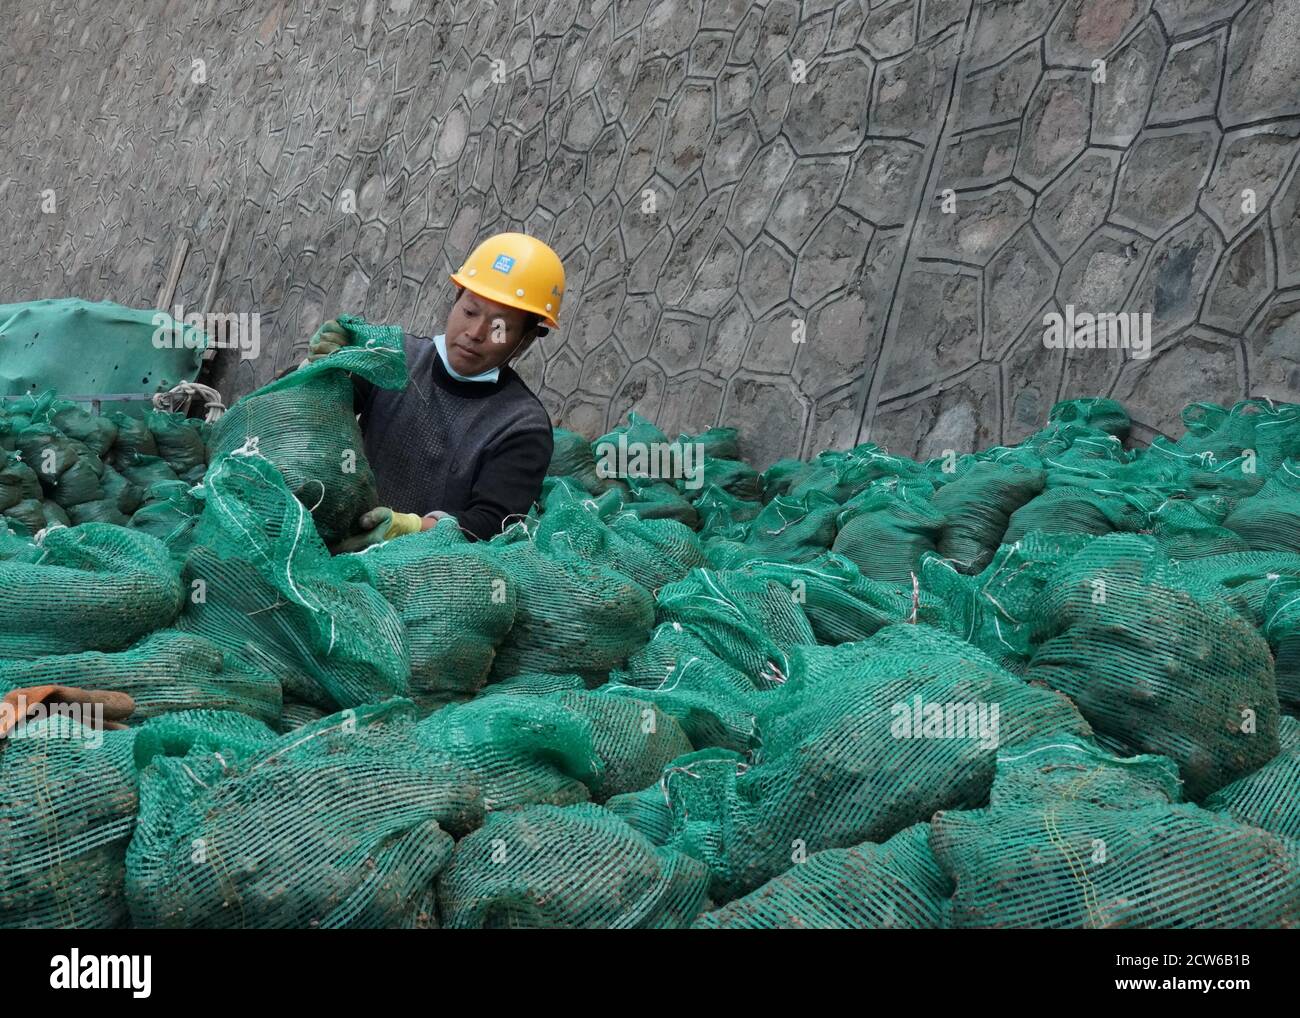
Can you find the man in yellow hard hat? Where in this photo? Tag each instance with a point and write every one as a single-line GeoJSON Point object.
{"type": "Point", "coordinates": [466, 438]}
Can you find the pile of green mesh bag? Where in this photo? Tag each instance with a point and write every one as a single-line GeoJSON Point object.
{"type": "Point", "coordinates": [1047, 685]}
{"type": "Point", "coordinates": [61, 465]}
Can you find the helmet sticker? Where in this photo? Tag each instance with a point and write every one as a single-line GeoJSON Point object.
{"type": "Point", "coordinates": [504, 263]}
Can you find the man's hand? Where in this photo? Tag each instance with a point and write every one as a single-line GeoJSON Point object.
{"type": "Point", "coordinates": [378, 525]}
{"type": "Point", "coordinates": [331, 336]}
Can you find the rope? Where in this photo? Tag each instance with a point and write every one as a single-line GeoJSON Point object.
{"type": "Point", "coordinates": [179, 397]}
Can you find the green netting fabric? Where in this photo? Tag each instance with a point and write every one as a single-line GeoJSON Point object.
{"type": "Point", "coordinates": [170, 511]}
{"type": "Point", "coordinates": [340, 824]}
{"type": "Point", "coordinates": [856, 753]}
{"type": "Point", "coordinates": [977, 507]}
{"type": "Point", "coordinates": [1269, 797]}
{"type": "Point", "coordinates": [794, 529]}
{"type": "Point", "coordinates": [893, 886]}
{"type": "Point", "coordinates": [1074, 838]}
{"type": "Point", "coordinates": [886, 533]}
{"type": "Point", "coordinates": [1270, 519]}
{"type": "Point", "coordinates": [94, 587]}
{"type": "Point", "coordinates": [653, 552]}
{"type": "Point", "coordinates": [579, 868]}
{"type": "Point", "coordinates": [713, 701]}
{"type": "Point", "coordinates": [992, 609]}
{"type": "Point", "coordinates": [719, 443]}
{"type": "Point", "coordinates": [1156, 662]}
{"type": "Point", "coordinates": [634, 739]}
{"type": "Point", "coordinates": [840, 603]}
{"type": "Point", "coordinates": [647, 812]}
{"type": "Point", "coordinates": [748, 621]}
{"type": "Point", "coordinates": [166, 671]}
{"type": "Point", "coordinates": [456, 604]}
{"type": "Point", "coordinates": [181, 443]}
{"type": "Point", "coordinates": [1072, 509]}
{"type": "Point", "coordinates": [534, 684]}
{"type": "Point", "coordinates": [67, 808]}
{"type": "Point", "coordinates": [735, 477]}
{"type": "Point", "coordinates": [304, 423]}
{"type": "Point", "coordinates": [519, 749]}
{"type": "Point", "coordinates": [1103, 414]}
{"type": "Point", "coordinates": [262, 586]}
{"type": "Point", "coordinates": [571, 616]}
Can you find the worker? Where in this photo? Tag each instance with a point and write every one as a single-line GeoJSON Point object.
{"type": "Point", "coordinates": [466, 438]}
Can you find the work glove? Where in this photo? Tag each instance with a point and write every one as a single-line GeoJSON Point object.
{"type": "Point", "coordinates": [379, 525]}
{"type": "Point", "coordinates": [331, 336]}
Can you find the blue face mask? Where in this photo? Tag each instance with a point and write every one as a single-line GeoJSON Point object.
{"type": "Point", "coordinates": [487, 376]}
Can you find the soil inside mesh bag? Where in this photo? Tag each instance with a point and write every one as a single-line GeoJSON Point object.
{"type": "Point", "coordinates": [305, 424]}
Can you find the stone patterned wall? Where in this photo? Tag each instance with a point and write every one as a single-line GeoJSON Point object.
{"type": "Point", "coordinates": [907, 186]}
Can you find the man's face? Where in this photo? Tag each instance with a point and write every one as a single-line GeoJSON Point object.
{"type": "Point", "coordinates": [482, 334]}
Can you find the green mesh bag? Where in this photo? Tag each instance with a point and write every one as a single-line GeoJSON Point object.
{"type": "Point", "coordinates": [166, 671]}
{"type": "Point", "coordinates": [660, 500]}
{"type": "Point", "coordinates": [1268, 798]}
{"type": "Point", "coordinates": [534, 684]}
{"type": "Point", "coordinates": [180, 442]}
{"type": "Point", "coordinates": [724, 516]}
{"type": "Point", "coordinates": [233, 735]}
{"type": "Point", "coordinates": [977, 508]}
{"type": "Point", "coordinates": [637, 431]}
{"type": "Point", "coordinates": [143, 471]}
{"type": "Point", "coordinates": [1281, 627]}
{"type": "Point", "coordinates": [746, 620]}
{"type": "Point", "coordinates": [736, 478]}
{"type": "Point", "coordinates": [1103, 414]}
{"type": "Point", "coordinates": [785, 474]}
{"type": "Point", "coordinates": [992, 610]}
{"type": "Point", "coordinates": [719, 443]}
{"type": "Point", "coordinates": [646, 812]}
{"type": "Point", "coordinates": [1072, 509]}
{"type": "Point", "coordinates": [886, 533]}
{"type": "Point", "coordinates": [713, 701]}
{"type": "Point", "coordinates": [794, 529]}
{"type": "Point", "coordinates": [1074, 838]}
{"type": "Point", "coordinates": [304, 424]}
{"type": "Point", "coordinates": [634, 739]}
{"type": "Point", "coordinates": [1256, 431]}
{"type": "Point", "coordinates": [856, 755]}
{"type": "Point", "coordinates": [456, 603]}
{"type": "Point", "coordinates": [579, 867]}
{"type": "Point", "coordinates": [518, 749]}
{"type": "Point", "coordinates": [95, 587]}
{"type": "Point", "coordinates": [340, 824]}
{"type": "Point", "coordinates": [18, 481]}
{"type": "Point", "coordinates": [840, 603]}
{"type": "Point", "coordinates": [97, 433]}
{"type": "Point", "coordinates": [295, 715]}
{"type": "Point", "coordinates": [1157, 663]}
{"type": "Point", "coordinates": [894, 886]}
{"type": "Point", "coordinates": [572, 616]}
{"type": "Point", "coordinates": [651, 552]}
{"type": "Point", "coordinates": [170, 512]}
{"type": "Point", "coordinates": [263, 587]}
{"type": "Point", "coordinates": [67, 808]}
{"type": "Point", "coordinates": [572, 458]}
{"type": "Point", "coordinates": [133, 436]}
{"type": "Point", "coordinates": [1270, 520]}
{"type": "Point", "coordinates": [1188, 529]}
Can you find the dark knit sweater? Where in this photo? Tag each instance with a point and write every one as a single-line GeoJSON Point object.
{"type": "Point", "coordinates": [477, 450]}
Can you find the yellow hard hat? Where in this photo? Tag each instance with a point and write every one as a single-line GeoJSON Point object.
{"type": "Point", "coordinates": [516, 270]}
